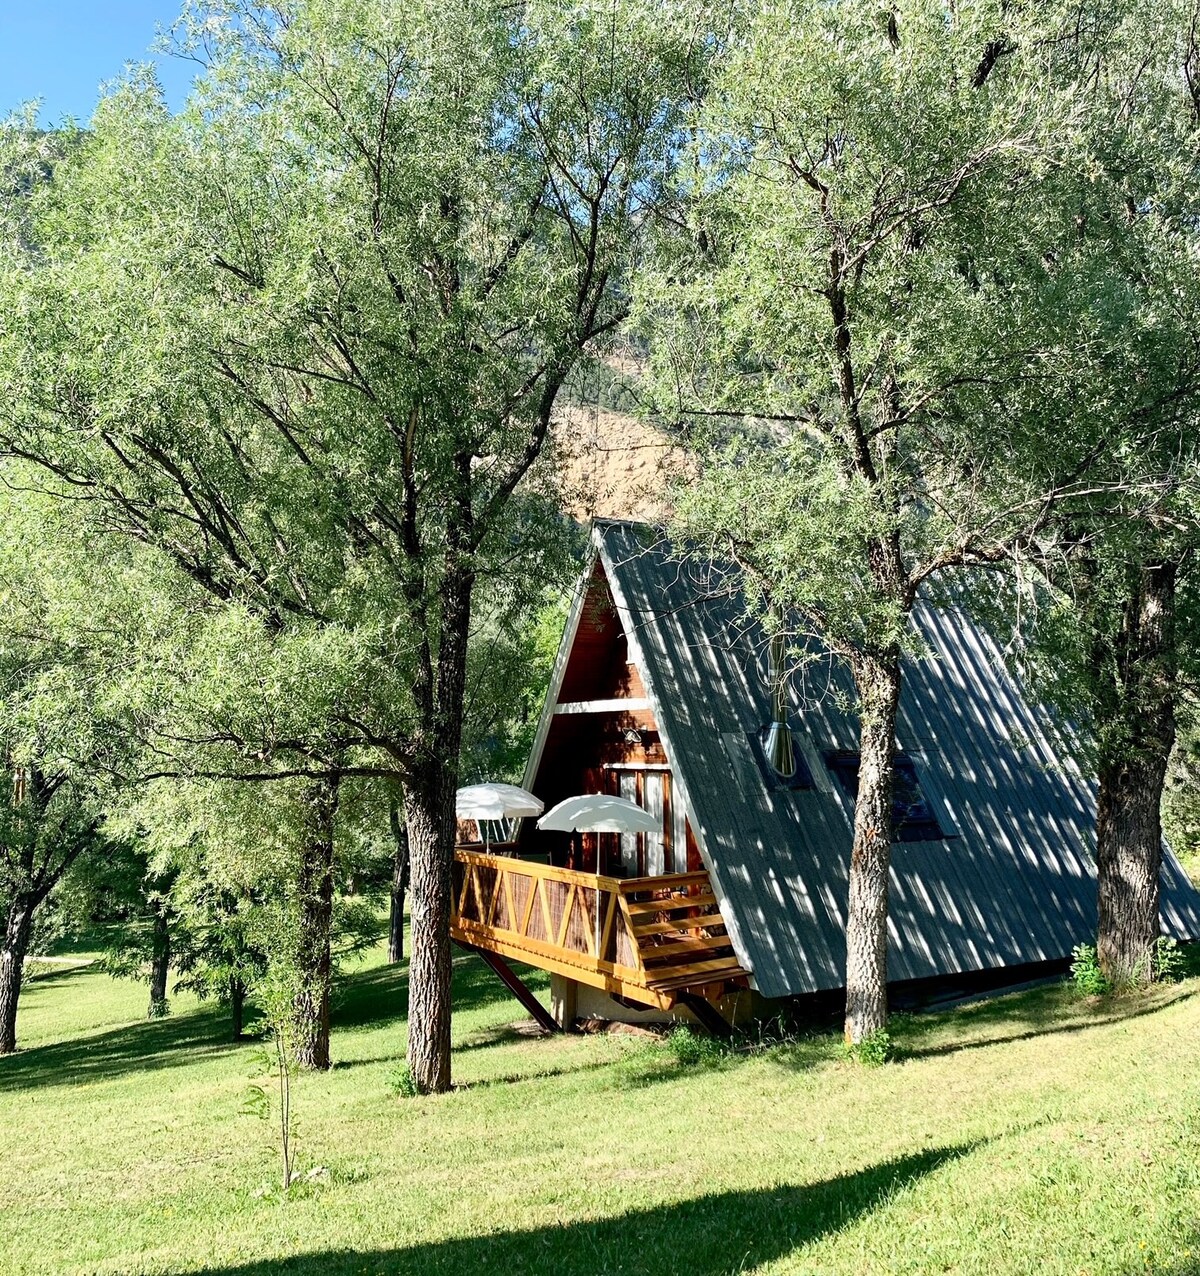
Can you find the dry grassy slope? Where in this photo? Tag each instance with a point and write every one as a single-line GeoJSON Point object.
{"type": "Point", "coordinates": [611, 465]}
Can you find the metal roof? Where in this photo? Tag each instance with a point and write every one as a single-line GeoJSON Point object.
{"type": "Point", "coordinates": [1015, 884]}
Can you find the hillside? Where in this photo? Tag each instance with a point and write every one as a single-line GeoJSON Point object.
{"type": "Point", "coordinates": [613, 465]}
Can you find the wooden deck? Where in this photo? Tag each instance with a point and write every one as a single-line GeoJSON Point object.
{"type": "Point", "coordinates": [648, 939]}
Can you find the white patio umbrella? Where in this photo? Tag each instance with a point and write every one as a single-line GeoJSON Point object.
{"type": "Point", "coordinates": [495, 800]}
{"type": "Point", "coordinates": [599, 813]}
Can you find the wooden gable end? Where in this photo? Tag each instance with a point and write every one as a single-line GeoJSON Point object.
{"type": "Point", "coordinates": [601, 736]}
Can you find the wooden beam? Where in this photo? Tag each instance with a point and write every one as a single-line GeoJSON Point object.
{"type": "Point", "coordinates": [491, 912]}
{"type": "Point", "coordinates": [624, 981]}
{"type": "Point", "coordinates": [631, 704]}
{"type": "Point", "coordinates": [608, 924]}
{"type": "Point", "coordinates": [710, 1017]}
{"type": "Point", "coordinates": [533, 890]}
{"type": "Point", "coordinates": [676, 945]}
{"type": "Point", "coordinates": [680, 926]}
{"type": "Point", "coordinates": [512, 982]}
{"type": "Point", "coordinates": [540, 887]}
{"type": "Point", "coordinates": [566, 917]}
{"type": "Point", "coordinates": [671, 905]}
{"type": "Point", "coordinates": [664, 882]}
{"type": "Point", "coordinates": [699, 972]}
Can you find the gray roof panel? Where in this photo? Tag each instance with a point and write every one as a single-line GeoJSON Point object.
{"type": "Point", "coordinates": [1017, 884]}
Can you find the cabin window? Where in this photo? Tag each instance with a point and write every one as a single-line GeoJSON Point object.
{"type": "Point", "coordinates": [652, 790]}
{"type": "Point", "coordinates": [646, 854]}
{"type": "Point", "coordinates": [913, 819]}
{"type": "Point", "coordinates": [678, 831]}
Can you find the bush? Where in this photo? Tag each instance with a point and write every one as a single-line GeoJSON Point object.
{"type": "Point", "coordinates": [1086, 974]}
{"type": "Point", "coordinates": [693, 1048]}
{"type": "Point", "coordinates": [400, 1082]}
{"type": "Point", "coordinates": [1169, 963]}
{"type": "Point", "coordinates": [874, 1050]}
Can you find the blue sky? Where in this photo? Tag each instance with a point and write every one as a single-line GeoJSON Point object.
{"type": "Point", "coordinates": [61, 51]}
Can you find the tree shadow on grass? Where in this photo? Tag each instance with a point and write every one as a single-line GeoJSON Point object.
{"type": "Point", "coordinates": [1043, 1012]}
{"type": "Point", "coordinates": [540, 1074]}
{"type": "Point", "coordinates": [38, 976]}
{"type": "Point", "coordinates": [506, 1034]}
{"type": "Point", "coordinates": [711, 1235]}
{"type": "Point", "coordinates": [378, 997]}
{"type": "Point", "coordinates": [135, 1047]}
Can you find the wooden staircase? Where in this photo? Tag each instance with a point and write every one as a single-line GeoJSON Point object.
{"type": "Point", "coordinates": [682, 941]}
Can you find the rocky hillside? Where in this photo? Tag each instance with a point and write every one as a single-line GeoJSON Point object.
{"type": "Point", "coordinates": [612, 464]}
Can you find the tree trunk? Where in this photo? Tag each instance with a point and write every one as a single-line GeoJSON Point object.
{"type": "Point", "coordinates": [429, 807]}
{"type": "Point", "coordinates": [1135, 747]}
{"type": "Point", "coordinates": [878, 682]}
{"type": "Point", "coordinates": [237, 1007]}
{"type": "Point", "coordinates": [12, 964]}
{"type": "Point", "coordinates": [314, 951]}
{"type": "Point", "coordinates": [160, 964]}
{"type": "Point", "coordinates": [400, 869]}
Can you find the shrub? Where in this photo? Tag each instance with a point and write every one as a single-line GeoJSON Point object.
{"type": "Point", "coordinates": [874, 1050]}
{"type": "Point", "coordinates": [693, 1048]}
{"type": "Point", "coordinates": [1169, 963]}
{"type": "Point", "coordinates": [1169, 966]}
{"type": "Point", "coordinates": [400, 1082]}
{"type": "Point", "coordinates": [1086, 974]}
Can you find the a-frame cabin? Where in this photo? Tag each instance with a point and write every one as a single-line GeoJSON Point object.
{"type": "Point", "coordinates": [661, 694]}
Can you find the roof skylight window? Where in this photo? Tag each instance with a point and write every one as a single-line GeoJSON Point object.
{"type": "Point", "coordinates": [913, 819]}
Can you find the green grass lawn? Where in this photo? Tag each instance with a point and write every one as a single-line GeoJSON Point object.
{"type": "Point", "coordinates": [1034, 1133]}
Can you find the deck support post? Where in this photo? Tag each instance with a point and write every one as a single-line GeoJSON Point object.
{"type": "Point", "coordinates": [513, 983]}
{"type": "Point", "coordinates": [564, 998]}
{"type": "Point", "coordinates": [709, 1016]}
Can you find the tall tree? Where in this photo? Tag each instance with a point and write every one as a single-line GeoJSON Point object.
{"type": "Point", "coordinates": [307, 339]}
{"type": "Point", "coordinates": [46, 824]}
{"type": "Point", "coordinates": [846, 342]}
{"type": "Point", "coordinates": [63, 719]}
{"type": "Point", "coordinates": [1134, 580]}
{"type": "Point", "coordinates": [1121, 554]}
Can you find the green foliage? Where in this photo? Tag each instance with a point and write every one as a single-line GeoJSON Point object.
{"type": "Point", "coordinates": [400, 1082]}
{"type": "Point", "coordinates": [694, 1049]}
{"type": "Point", "coordinates": [508, 671]}
{"type": "Point", "coordinates": [1086, 974]}
{"type": "Point", "coordinates": [1170, 963]}
{"type": "Point", "coordinates": [810, 184]}
{"type": "Point", "coordinates": [257, 1101]}
{"type": "Point", "coordinates": [1181, 794]}
{"type": "Point", "coordinates": [66, 708]}
{"type": "Point", "coordinates": [873, 1051]}
{"type": "Point", "coordinates": [306, 347]}
{"type": "Point", "coordinates": [330, 334]}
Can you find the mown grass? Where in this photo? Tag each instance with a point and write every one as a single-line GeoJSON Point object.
{"type": "Point", "coordinates": [1033, 1133]}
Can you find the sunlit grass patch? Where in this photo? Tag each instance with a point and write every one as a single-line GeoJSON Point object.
{"type": "Point", "coordinates": [1035, 1132]}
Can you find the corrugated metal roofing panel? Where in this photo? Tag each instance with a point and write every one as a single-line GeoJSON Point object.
{"type": "Point", "coordinates": [1017, 883]}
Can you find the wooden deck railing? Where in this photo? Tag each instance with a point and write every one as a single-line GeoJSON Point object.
{"type": "Point", "coordinates": [645, 938]}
